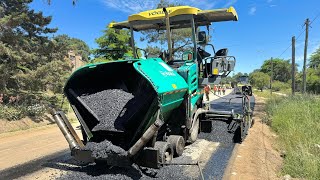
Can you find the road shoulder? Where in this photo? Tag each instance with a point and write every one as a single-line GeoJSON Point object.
{"type": "Point", "coordinates": [256, 157]}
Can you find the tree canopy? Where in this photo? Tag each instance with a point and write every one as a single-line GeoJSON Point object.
{"type": "Point", "coordinates": [315, 59]}
{"type": "Point", "coordinates": [259, 80]}
{"type": "Point", "coordinates": [281, 69]}
{"type": "Point", "coordinates": [113, 45]}
{"type": "Point", "coordinates": [77, 45]}
{"type": "Point", "coordinates": [30, 61]}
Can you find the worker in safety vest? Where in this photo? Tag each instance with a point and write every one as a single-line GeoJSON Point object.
{"type": "Point", "coordinates": [207, 91]}
{"type": "Point", "coordinates": [219, 90]}
{"type": "Point", "coordinates": [224, 89]}
{"type": "Point", "coordinates": [215, 89]}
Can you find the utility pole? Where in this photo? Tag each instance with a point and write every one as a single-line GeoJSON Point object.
{"type": "Point", "coordinates": [293, 65]}
{"type": "Point", "coordinates": [271, 78]}
{"type": "Point", "coordinates": [305, 57]}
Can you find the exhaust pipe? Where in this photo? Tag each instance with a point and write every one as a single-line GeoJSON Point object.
{"type": "Point", "coordinates": [67, 130]}
{"type": "Point", "coordinates": [150, 132]}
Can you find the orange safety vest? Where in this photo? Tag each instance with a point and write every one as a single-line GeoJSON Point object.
{"type": "Point", "coordinates": [207, 88]}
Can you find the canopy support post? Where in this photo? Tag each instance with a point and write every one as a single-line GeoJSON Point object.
{"type": "Point", "coordinates": [132, 43]}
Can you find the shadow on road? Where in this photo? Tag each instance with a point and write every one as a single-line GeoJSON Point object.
{"type": "Point", "coordinates": [32, 166]}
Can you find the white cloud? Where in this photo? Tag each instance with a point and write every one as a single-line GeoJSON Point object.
{"type": "Point", "coordinates": [253, 10]}
{"type": "Point", "coordinates": [134, 6]}
{"type": "Point", "coordinates": [272, 5]}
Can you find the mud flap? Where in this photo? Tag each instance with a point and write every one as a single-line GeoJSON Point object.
{"type": "Point", "coordinates": [206, 126]}
{"type": "Point", "coordinates": [148, 157]}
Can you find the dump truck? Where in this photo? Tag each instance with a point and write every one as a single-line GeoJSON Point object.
{"type": "Point", "coordinates": [145, 111]}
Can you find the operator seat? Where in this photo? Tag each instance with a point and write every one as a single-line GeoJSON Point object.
{"type": "Point", "coordinates": [201, 54]}
{"type": "Point", "coordinates": [221, 52]}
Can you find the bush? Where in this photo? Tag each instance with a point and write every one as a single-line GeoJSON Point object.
{"type": "Point", "coordinates": [296, 120]}
{"type": "Point", "coordinates": [11, 113]}
{"type": "Point", "coordinates": [277, 86]}
{"type": "Point", "coordinates": [14, 106]}
{"type": "Point", "coordinates": [36, 110]}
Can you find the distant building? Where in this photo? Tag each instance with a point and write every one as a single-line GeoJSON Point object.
{"type": "Point", "coordinates": [75, 60]}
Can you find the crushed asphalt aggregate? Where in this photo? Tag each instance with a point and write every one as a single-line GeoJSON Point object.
{"type": "Point", "coordinates": [102, 149]}
{"type": "Point", "coordinates": [108, 105]}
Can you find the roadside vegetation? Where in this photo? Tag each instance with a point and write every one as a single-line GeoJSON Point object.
{"type": "Point", "coordinates": [296, 121]}
{"type": "Point", "coordinates": [34, 61]}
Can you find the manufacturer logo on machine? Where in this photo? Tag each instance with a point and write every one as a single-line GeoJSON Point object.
{"type": "Point", "coordinates": [159, 12]}
{"type": "Point", "coordinates": [165, 74]}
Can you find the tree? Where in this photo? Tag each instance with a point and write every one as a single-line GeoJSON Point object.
{"type": "Point", "coordinates": [74, 44]}
{"type": "Point", "coordinates": [153, 51]}
{"type": "Point", "coordinates": [259, 80]}
{"type": "Point", "coordinates": [113, 45]}
{"type": "Point", "coordinates": [313, 80]}
{"type": "Point", "coordinates": [315, 59]}
{"type": "Point", "coordinates": [281, 69]}
{"type": "Point", "coordinates": [181, 38]}
{"type": "Point", "coordinates": [29, 60]}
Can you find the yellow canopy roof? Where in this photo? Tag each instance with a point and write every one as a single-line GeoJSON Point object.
{"type": "Point", "coordinates": [154, 19]}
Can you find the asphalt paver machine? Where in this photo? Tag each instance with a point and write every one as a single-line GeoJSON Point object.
{"type": "Point", "coordinates": [145, 111]}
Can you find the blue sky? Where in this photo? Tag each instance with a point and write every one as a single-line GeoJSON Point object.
{"type": "Point", "coordinates": [264, 29]}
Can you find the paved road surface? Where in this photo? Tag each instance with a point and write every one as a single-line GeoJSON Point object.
{"type": "Point", "coordinates": [43, 153]}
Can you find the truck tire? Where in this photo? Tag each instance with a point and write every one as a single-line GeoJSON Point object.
{"type": "Point", "coordinates": [177, 143]}
{"type": "Point", "coordinates": [165, 152]}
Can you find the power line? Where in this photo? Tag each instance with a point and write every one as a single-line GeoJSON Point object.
{"type": "Point", "coordinates": [315, 18]}
{"type": "Point", "coordinates": [291, 44]}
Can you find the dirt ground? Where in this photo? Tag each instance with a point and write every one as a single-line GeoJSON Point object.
{"type": "Point", "coordinates": [257, 157]}
{"type": "Point", "coordinates": [28, 123]}
{"type": "Point", "coordinates": [24, 146]}
{"type": "Point", "coordinates": [22, 124]}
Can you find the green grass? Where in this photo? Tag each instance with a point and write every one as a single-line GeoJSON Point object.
{"type": "Point", "coordinates": [296, 121]}
{"type": "Point", "coordinates": [264, 93]}
{"type": "Point", "coordinates": [285, 91]}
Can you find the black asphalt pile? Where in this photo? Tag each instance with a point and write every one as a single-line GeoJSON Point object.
{"type": "Point", "coordinates": [107, 106]}
{"type": "Point", "coordinates": [104, 149]}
